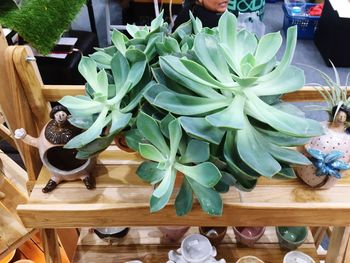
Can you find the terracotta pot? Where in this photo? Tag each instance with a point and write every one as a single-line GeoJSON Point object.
{"type": "Point", "coordinates": [249, 259]}
{"type": "Point", "coordinates": [214, 234]}
{"type": "Point", "coordinates": [120, 141]}
{"type": "Point", "coordinates": [172, 233]}
{"type": "Point", "coordinates": [248, 235]}
{"type": "Point", "coordinates": [291, 237]}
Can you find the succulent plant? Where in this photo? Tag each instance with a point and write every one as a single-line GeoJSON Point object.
{"type": "Point", "coordinates": [212, 108]}
{"type": "Point", "coordinates": [230, 80]}
{"type": "Point", "coordinates": [108, 106]}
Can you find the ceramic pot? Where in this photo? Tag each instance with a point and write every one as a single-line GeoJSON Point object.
{"type": "Point", "coordinates": [297, 256]}
{"type": "Point", "coordinates": [8, 257]}
{"type": "Point", "coordinates": [172, 233]}
{"type": "Point", "coordinates": [120, 141]}
{"type": "Point", "coordinates": [291, 237]}
{"type": "Point", "coordinates": [61, 162]}
{"type": "Point", "coordinates": [249, 259]}
{"type": "Point", "coordinates": [330, 141]}
{"type": "Point", "coordinates": [111, 234]}
{"type": "Point", "coordinates": [248, 235]}
{"type": "Point", "coordinates": [194, 248]}
{"type": "Point", "coordinates": [214, 234]}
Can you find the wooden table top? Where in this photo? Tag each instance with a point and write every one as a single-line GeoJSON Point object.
{"type": "Point", "coordinates": [122, 199]}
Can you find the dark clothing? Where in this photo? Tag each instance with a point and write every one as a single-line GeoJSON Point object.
{"type": "Point", "coordinates": [208, 18]}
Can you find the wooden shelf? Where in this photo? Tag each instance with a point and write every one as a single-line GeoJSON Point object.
{"type": "Point", "coordinates": [121, 198]}
{"type": "Point", "coordinates": [145, 244]}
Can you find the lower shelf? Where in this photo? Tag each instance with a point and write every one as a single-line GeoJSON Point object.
{"type": "Point", "coordinates": [145, 244]}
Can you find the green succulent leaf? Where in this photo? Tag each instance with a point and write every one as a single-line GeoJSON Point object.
{"type": "Point", "coordinates": [201, 129]}
{"type": "Point", "coordinates": [175, 134]}
{"type": "Point", "coordinates": [149, 172]}
{"type": "Point", "coordinates": [96, 146]}
{"type": "Point", "coordinates": [196, 152]}
{"type": "Point", "coordinates": [205, 173]}
{"type": "Point", "coordinates": [118, 41]}
{"type": "Point", "coordinates": [150, 130]}
{"type": "Point", "coordinates": [120, 69]}
{"type": "Point", "coordinates": [167, 184]}
{"type": "Point", "coordinates": [81, 107]}
{"type": "Point", "coordinates": [227, 30]}
{"type": "Point", "coordinates": [164, 124]}
{"type": "Point", "coordinates": [119, 121]}
{"type": "Point", "coordinates": [184, 199]}
{"type": "Point", "coordinates": [88, 69]}
{"type": "Point", "coordinates": [102, 59]}
{"type": "Point", "coordinates": [206, 49]}
{"type": "Point", "coordinates": [231, 117]}
{"type": "Point", "coordinates": [157, 203]}
{"type": "Point", "coordinates": [267, 48]}
{"type": "Point", "coordinates": [92, 133]}
{"type": "Point", "coordinates": [188, 105]}
{"type": "Point", "coordinates": [208, 198]}
{"type": "Point", "coordinates": [158, 21]}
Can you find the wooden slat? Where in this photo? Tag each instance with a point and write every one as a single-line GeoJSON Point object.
{"type": "Point", "coordinates": [121, 198]}
{"type": "Point", "coordinates": [51, 248]}
{"type": "Point", "coordinates": [32, 84]}
{"type": "Point", "coordinates": [56, 92]}
{"type": "Point", "coordinates": [145, 244]}
{"type": "Point", "coordinates": [18, 112]}
{"type": "Point", "coordinates": [338, 244]}
{"type": "Point", "coordinates": [14, 173]}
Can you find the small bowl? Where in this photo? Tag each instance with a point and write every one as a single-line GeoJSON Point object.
{"type": "Point", "coordinates": [111, 234]}
{"type": "Point", "coordinates": [248, 235]}
{"type": "Point", "coordinates": [172, 233]}
{"type": "Point", "coordinates": [214, 234]}
{"type": "Point", "coordinates": [291, 237]}
{"type": "Point", "coordinates": [297, 256]}
{"type": "Point", "coordinates": [249, 259]}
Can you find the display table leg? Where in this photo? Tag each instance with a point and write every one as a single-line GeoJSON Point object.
{"type": "Point", "coordinates": [51, 246]}
{"type": "Point", "coordinates": [338, 244]}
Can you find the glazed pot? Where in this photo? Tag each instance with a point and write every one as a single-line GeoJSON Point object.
{"type": "Point", "coordinates": [194, 248]}
{"type": "Point", "coordinates": [111, 234]}
{"type": "Point", "coordinates": [332, 139]}
{"type": "Point", "coordinates": [291, 237]}
{"type": "Point", "coordinates": [172, 233]}
{"type": "Point", "coordinates": [249, 259]}
{"type": "Point", "coordinates": [297, 256]}
{"type": "Point", "coordinates": [248, 235]}
{"type": "Point", "coordinates": [214, 234]}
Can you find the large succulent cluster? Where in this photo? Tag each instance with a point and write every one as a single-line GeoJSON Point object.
{"type": "Point", "coordinates": [199, 101]}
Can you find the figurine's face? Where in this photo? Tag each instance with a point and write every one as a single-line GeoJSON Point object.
{"type": "Point", "coordinates": [60, 116]}
{"type": "Point", "coordinates": [341, 117]}
{"type": "Point", "coordinates": [217, 6]}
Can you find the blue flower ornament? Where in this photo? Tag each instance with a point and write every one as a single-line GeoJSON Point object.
{"type": "Point", "coordinates": [328, 164]}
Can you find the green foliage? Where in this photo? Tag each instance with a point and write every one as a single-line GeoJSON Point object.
{"type": "Point", "coordinates": [41, 22]}
{"type": "Point", "coordinates": [203, 102]}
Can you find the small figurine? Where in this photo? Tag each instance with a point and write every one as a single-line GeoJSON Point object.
{"type": "Point", "coordinates": [61, 162]}
{"type": "Point", "coordinates": [194, 248]}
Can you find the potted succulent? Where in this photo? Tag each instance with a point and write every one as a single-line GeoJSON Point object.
{"type": "Point", "coordinates": [329, 153]}
{"type": "Point", "coordinates": [200, 105]}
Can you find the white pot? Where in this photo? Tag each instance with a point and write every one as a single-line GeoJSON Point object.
{"type": "Point", "coordinates": [297, 257]}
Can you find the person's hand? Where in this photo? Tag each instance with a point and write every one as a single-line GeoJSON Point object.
{"type": "Point", "coordinates": [20, 133]}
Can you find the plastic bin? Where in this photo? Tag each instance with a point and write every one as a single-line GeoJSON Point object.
{"type": "Point", "coordinates": [306, 24]}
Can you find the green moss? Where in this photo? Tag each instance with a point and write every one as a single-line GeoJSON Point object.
{"type": "Point", "coordinates": [41, 22]}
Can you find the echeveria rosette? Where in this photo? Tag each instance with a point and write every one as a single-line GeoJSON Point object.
{"type": "Point", "coordinates": [109, 103]}
{"type": "Point", "coordinates": [230, 79]}
{"type": "Point", "coordinates": [168, 152]}
{"type": "Point", "coordinates": [328, 163]}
